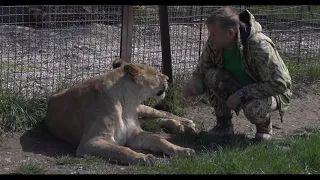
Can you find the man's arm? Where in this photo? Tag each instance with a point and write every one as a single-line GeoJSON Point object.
{"type": "Point", "coordinates": [205, 62]}
{"type": "Point", "coordinates": [272, 70]}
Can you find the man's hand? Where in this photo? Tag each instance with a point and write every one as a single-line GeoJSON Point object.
{"type": "Point", "coordinates": [187, 92]}
{"type": "Point", "coordinates": [233, 101]}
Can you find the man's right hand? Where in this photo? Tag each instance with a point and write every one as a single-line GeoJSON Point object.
{"type": "Point", "coordinates": [187, 92]}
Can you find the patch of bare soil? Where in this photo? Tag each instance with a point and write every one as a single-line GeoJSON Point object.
{"type": "Point", "coordinates": [38, 147]}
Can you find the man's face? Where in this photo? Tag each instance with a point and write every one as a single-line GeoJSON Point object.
{"type": "Point", "coordinates": [220, 37]}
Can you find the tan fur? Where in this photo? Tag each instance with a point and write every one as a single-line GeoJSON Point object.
{"type": "Point", "coordinates": [169, 121]}
{"type": "Point", "coordinates": [100, 115]}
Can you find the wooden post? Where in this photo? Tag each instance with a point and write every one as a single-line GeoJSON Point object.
{"type": "Point", "coordinates": [165, 42]}
{"type": "Point", "coordinates": [300, 36]}
{"type": "Point", "coordinates": [126, 33]}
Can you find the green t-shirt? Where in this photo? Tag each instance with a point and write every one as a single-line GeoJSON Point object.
{"type": "Point", "coordinates": [233, 65]}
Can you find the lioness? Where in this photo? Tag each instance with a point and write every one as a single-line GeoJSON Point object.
{"type": "Point", "coordinates": [100, 116]}
{"type": "Point", "coordinates": [169, 121]}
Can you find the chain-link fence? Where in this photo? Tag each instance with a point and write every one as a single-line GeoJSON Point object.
{"type": "Point", "coordinates": [46, 47]}
{"type": "Point", "coordinates": [294, 29]}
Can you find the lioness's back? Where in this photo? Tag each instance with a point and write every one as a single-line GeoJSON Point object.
{"type": "Point", "coordinates": [59, 118]}
{"type": "Point", "coordinates": [69, 109]}
{"type": "Point", "coordinates": [66, 111]}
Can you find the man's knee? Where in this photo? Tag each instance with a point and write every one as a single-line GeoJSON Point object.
{"type": "Point", "coordinates": [257, 111]}
{"type": "Point", "coordinates": [220, 82]}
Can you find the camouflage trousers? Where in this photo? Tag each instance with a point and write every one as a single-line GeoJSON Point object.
{"type": "Point", "coordinates": [221, 83]}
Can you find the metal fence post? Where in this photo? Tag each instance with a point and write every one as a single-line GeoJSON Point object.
{"type": "Point", "coordinates": [300, 29]}
{"type": "Point", "coordinates": [126, 33]}
{"type": "Point", "coordinates": [165, 42]}
{"type": "Point", "coordinates": [200, 34]}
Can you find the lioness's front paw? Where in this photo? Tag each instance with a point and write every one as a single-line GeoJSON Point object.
{"type": "Point", "coordinates": [175, 126]}
{"type": "Point", "coordinates": [185, 152]}
{"type": "Point", "coordinates": [187, 122]}
{"type": "Point", "coordinates": [144, 160]}
{"type": "Point", "coordinates": [189, 126]}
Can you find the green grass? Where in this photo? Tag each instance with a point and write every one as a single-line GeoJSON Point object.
{"type": "Point", "coordinates": [237, 155]}
{"type": "Point", "coordinates": [29, 168]}
{"type": "Point", "coordinates": [173, 102]}
{"type": "Point", "coordinates": [233, 155]}
{"type": "Point", "coordinates": [18, 113]}
{"type": "Point", "coordinates": [150, 125]}
{"type": "Point", "coordinates": [229, 155]}
{"type": "Point", "coordinates": [294, 155]}
{"type": "Point", "coordinates": [69, 160]}
{"type": "Point", "coordinates": [303, 73]}
{"type": "Point", "coordinates": [10, 66]}
{"type": "Point", "coordinates": [298, 12]}
{"type": "Point", "coordinates": [287, 12]}
{"type": "Point", "coordinates": [306, 69]}
{"type": "Point", "coordinates": [87, 164]}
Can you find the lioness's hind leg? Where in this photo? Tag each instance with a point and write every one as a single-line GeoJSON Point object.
{"type": "Point", "coordinates": [151, 142]}
{"type": "Point", "coordinates": [124, 155]}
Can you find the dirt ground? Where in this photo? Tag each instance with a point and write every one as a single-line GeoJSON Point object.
{"type": "Point", "coordinates": [39, 147]}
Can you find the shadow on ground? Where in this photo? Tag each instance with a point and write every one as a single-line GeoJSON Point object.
{"type": "Point", "coordinates": [39, 141]}
{"type": "Point", "coordinates": [204, 141]}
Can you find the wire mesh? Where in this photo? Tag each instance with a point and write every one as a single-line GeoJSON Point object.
{"type": "Point", "coordinates": [48, 47]}
{"type": "Point", "coordinates": [187, 36]}
{"type": "Point", "coordinates": [146, 42]}
{"type": "Point", "coordinates": [294, 30]}
{"type": "Point", "coordinates": [44, 48]}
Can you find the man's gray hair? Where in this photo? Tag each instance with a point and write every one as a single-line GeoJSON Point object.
{"type": "Point", "coordinates": [226, 16]}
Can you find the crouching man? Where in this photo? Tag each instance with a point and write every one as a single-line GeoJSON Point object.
{"type": "Point", "coordinates": [240, 68]}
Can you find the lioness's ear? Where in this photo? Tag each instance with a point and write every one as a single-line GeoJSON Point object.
{"type": "Point", "coordinates": [118, 62]}
{"type": "Point", "coordinates": [131, 69]}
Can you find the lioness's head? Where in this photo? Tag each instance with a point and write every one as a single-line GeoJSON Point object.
{"type": "Point", "coordinates": [153, 82]}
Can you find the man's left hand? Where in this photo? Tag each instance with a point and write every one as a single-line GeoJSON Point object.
{"type": "Point", "coordinates": [233, 101]}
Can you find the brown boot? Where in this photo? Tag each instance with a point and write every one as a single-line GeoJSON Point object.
{"type": "Point", "coordinates": [264, 131]}
{"type": "Point", "coordinates": [224, 127]}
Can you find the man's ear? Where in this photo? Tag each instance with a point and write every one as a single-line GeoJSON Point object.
{"type": "Point", "coordinates": [118, 62]}
{"type": "Point", "coordinates": [232, 32]}
{"type": "Point", "coordinates": [131, 69]}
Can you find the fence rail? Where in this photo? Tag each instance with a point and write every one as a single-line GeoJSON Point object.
{"type": "Point", "coordinates": [46, 47]}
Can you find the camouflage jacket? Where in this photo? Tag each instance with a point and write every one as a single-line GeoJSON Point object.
{"type": "Point", "coordinates": [261, 61]}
